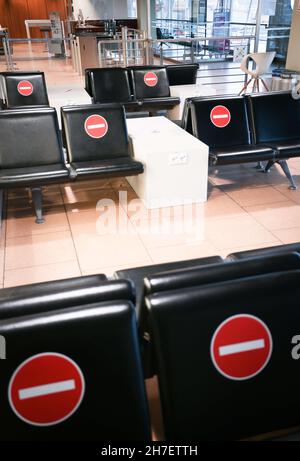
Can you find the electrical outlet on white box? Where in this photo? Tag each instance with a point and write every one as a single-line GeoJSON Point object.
{"type": "Point", "coordinates": [178, 158]}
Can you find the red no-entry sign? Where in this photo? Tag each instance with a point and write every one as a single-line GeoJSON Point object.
{"type": "Point", "coordinates": [150, 79]}
{"type": "Point", "coordinates": [241, 347]}
{"type": "Point", "coordinates": [25, 88]}
{"type": "Point", "coordinates": [96, 126]}
{"type": "Point", "coordinates": [220, 116]}
{"type": "Point", "coordinates": [46, 389]}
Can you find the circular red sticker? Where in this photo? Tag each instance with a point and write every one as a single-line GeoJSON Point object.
{"type": "Point", "coordinates": [96, 126]}
{"type": "Point", "coordinates": [46, 389]}
{"type": "Point", "coordinates": [220, 116]}
{"type": "Point", "coordinates": [25, 88]}
{"type": "Point", "coordinates": [150, 79]}
{"type": "Point", "coordinates": [241, 347]}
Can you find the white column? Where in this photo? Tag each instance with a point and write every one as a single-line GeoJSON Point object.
{"type": "Point", "coordinates": [293, 59]}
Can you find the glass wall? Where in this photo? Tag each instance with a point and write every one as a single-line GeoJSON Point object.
{"type": "Point", "coordinates": [198, 18]}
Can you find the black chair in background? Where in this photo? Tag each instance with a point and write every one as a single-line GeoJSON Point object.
{"type": "Point", "coordinates": [31, 152]}
{"type": "Point", "coordinates": [24, 89]}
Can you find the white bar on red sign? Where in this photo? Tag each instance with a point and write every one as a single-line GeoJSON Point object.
{"type": "Point", "coordinates": [242, 347]}
{"type": "Point", "coordinates": [47, 389]}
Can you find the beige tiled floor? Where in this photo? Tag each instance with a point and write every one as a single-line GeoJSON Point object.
{"type": "Point", "coordinates": [90, 228]}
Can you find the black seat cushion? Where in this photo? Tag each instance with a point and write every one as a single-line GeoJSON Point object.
{"type": "Point", "coordinates": [25, 89]}
{"type": "Point", "coordinates": [159, 103]}
{"type": "Point", "coordinates": [240, 154]}
{"type": "Point", "coordinates": [269, 251]}
{"type": "Point", "coordinates": [150, 83]}
{"type": "Point", "coordinates": [124, 166]}
{"type": "Point", "coordinates": [288, 149]}
{"type": "Point", "coordinates": [182, 74]}
{"type": "Point", "coordinates": [33, 176]}
{"type": "Point", "coordinates": [109, 85]}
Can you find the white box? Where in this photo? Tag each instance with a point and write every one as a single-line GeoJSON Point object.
{"type": "Point", "coordinates": [176, 163]}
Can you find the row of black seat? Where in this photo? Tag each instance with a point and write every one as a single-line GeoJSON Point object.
{"type": "Point", "coordinates": [109, 85]}
{"type": "Point", "coordinates": [32, 155]}
{"type": "Point", "coordinates": [242, 129]}
{"type": "Point", "coordinates": [178, 74]}
{"type": "Point", "coordinates": [218, 379]}
{"type": "Point", "coordinates": [138, 89]}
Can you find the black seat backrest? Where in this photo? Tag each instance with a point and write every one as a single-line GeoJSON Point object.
{"type": "Point", "coordinates": [95, 132]}
{"type": "Point", "coordinates": [29, 137]}
{"type": "Point", "coordinates": [109, 85]}
{"type": "Point", "coordinates": [138, 274]}
{"type": "Point", "coordinates": [87, 80]}
{"type": "Point", "coordinates": [60, 294]}
{"type": "Point", "coordinates": [276, 117]}
{"type": "Point", "coordinates": [220, 272]}
{"type": "Point", "coordinates": [150, 82]}
{"type": "Point", "coordinates": [24, 89]}
{"type": "Point", "coordinates": [220, 122]}
{"type": "Point", "coordinates": [269, 251]}
{"type": "Point", "coordinates": [223, 353]}
{"type": "Point", "coordinates": [73, 375]}
{"type": "Point", "coordinates": [182, 74]}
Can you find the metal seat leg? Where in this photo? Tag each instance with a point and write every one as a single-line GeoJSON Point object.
{"type": "Point", "coordinates": [37, 200]}
{"type": "Point", "coordinates": [269, 166]}
{"type": "Point", "coordinates": [284, 165]}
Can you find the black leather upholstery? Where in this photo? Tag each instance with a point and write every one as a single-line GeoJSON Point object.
{"type": "Point", "coordinates": [60, 294]}
{"type": "Point", "coordinates": [109, 85]}
{"type": "Point", "coordinates": [239, 154]}
{"type": "Point", "coordinates": [143, 91]}
{"type": "Point", "coordinates": [200, 403]}
{"type": "Point", "coordinates": [100, 339]}
{"type": "Point", "coordinates": [272, 128]}
{"type": "Point", "coordinates": [265, 252]}
{"type": "Point", "coordinates": [233, 143]}
{"type": "Point", "coordinates": [30, 148]}
{"type": "Point", "coordinates": [14, 98]}
{"type": "Point", "coordinates": [138, 274]}
{"type": "Point", "coordinates": [102, 156]}
{"type": "Point", "coordinates": [220, 272]}
{"type": "Point", "coordinates": [182, 74]}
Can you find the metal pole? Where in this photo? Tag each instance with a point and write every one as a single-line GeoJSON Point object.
{"type": "Point", "coordinates": [258, 24]}
{"type": "Point", "coordinates": [124, 46]}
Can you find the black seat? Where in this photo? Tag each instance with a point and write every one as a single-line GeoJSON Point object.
{"type": "Point", "coordinates": [31, 151]}
{"type": "Point", "coordinates": [261, 252]}
{"type": "Point", "coordinates": [223, 353]}
{"type": "Point", "coordinates": [221, 272]}
{"type": "Point", "coordinates": [24, 89]}
{"type": "Point", "coordinates": [136, 276]}
{"type": "Point", "coordinates": [182, 74]}
{"type": "Point", "coordinates": [151, 88]}
{"type": "Point", "coordinates": [97, 141]}
{"type": "Point", "coordinates": [223, 124]}
{"type": "Point", "coordinates": [108, 85]}
{"type": "Point", "coordinates": [74, 375]}
{"type": "Point", "coordinates": [60, 294]}
{"type": "Point", "coordinates": [273, 129]}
